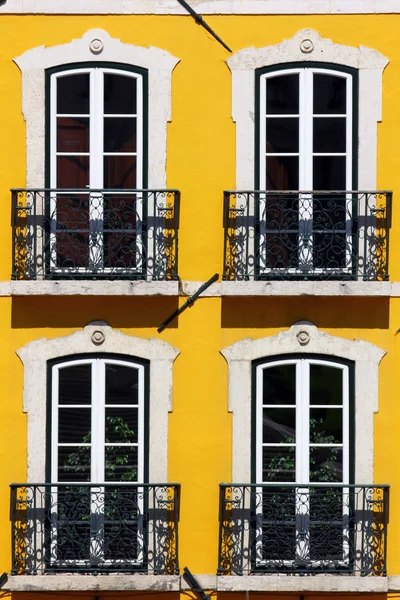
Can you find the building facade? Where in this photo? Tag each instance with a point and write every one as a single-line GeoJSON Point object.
{"type": "Point", "coordinates": [246, 150]}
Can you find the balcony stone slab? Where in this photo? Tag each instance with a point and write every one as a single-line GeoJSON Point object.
{"type": "Point", "coordinates": [92, 583]}
{"type": "Point", "coordinates": [89, 288]}
{"type": "Point", "coordinates": [310, 288]}
{"type": "Point", "coordinates": [292, 583]}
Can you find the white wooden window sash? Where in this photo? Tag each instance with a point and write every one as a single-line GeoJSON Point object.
{"type": "Point", "coordinates": [98, 445]}
{"type": "Point", "coordinates": [302, 446]}
{"type": "Point", "coordinates": [305, 155]}
{"type": "Point", "coordinates": [96, 156]}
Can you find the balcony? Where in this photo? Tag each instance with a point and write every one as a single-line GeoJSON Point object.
{"type": "Point", "coordinates": [93, 528]}
{"type": "Point", "coordinates": [95, 234]}
{"type": "Point", "coordinates": [334, 235]}
{"type": "Point", "coordinates": [306, 529]}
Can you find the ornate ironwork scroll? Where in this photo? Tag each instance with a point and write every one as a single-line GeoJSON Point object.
{"type": "Point", "coordinates": [306, 235]}
{"type": "Point", "coordinates": [95, 528]}
{"type": "Point", "coordinates": [303, 529]}
{"type": "Point", "coordinates": [100, 234]}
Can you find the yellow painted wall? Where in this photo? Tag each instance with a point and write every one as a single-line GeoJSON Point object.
{"type": "Point", "coordinates": [201, 163]}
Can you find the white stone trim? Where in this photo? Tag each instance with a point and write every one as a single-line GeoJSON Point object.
{"type": "Point", "coordinates": [205, 7]}
{"type": "Point", "coordinates": [316, 583]}
{"type": "Point", "coordinates": [382, 289]}
{"type": "Point", "coordinates": [33, 63]}
{"type": "Point", "coordinates": [366, 357]}
{"type": "Point", "coordinates": [34, 357]}
{"type": "Point", "coordinates": [92, 583]}
{"type": "Point", "coordinates": [225, 583]}
{"type": "Point", "coordinates": [370, 65]}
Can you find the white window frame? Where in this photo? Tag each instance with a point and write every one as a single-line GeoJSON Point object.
{"type": "Point", "coordinates": [96, 45]}
{"type": "Point", "coordinates": [306, 117]}
{"type": "Point", "coordinates": [97, 407]}
{"type": "Point", "coordinates": [302, 408]}
{"type": "Point", "coordinates": [96, 169]}
{"type": "Point", "coordinates": [97, 445]}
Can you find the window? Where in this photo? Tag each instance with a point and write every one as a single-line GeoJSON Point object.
{"type": "Point", "coordinates": [301, 401]}
{"type": "Point", "coordinates": [302, 453]}
{"type": "Point", "coordinates": [94, 502]}
{"type": "Point", "coordinates": [302, 422]}
{"type": "Point", "coordinates": [306, 112]}
{"type": "Point", "coordinates": [96, 143]}
{"type": "Point", "coordinates": [108, 214]}
{"type": "Point", "coordinates": [99, 426]}
{"type": "Point", "coordinates": [98, 421]}
{"type": "Point", "coordinates": [305, 128]}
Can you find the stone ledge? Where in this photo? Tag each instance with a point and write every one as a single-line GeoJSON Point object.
{"type": "Point", "coordinates": [225, 583]}
{"type": "Point", "coordinates": [314, 583]}
{"type": "Point", "coordinates": [89, 288]}
{"type": "Point", "coordinates": [310, 288]}
{"type": "Point", "coordinates": [351, 289]}
{"type": "Point", "coordinates": [92, 583]}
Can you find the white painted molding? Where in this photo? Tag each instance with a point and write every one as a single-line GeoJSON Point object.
{"type": "Point", "coordinates": [205, 7]}
{"type": "Point", "coordinates": [370, 65]}
{"type": "Point", "coordinates": [381, 289]}
{"type": "Point", "coordinates": [224, 583]}
{"type": "Point", "coordinates": [34, 357]}
{"type": "Point", "coordinates": [33, 63]}
{"type": "Point", "coordinates": [366, 357]}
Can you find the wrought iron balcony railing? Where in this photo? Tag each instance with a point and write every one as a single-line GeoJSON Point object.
{"type": "Point", "coordinates": [92, 528]}
{"type": "Point", "coordinates": [303, 529]}
{"type": "Point", "coordinates": [95, 234]}
{"type": "Point", "coordinates": [306, 235]}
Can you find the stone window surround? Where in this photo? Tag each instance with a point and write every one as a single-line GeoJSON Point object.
{"type": "Point", "coordinates": [96, 45]}
{"type": "Point", "coordinates": [97, 339]}
{"type": "Point", "coordinates": [307, 46]}
{"type": "Point", "coordinates": [303, 338]}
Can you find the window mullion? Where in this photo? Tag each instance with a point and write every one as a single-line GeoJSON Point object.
{"type": "Point", "coordinates": [345, 426]}
{"type": "Point", "coordinates": [54, 426]}
{"type": "Point", "coordinates": [140, 474]}
{"type": "Point", "coordinates": [299, 419]}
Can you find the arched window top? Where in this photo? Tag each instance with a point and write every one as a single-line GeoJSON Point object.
{"type": "Point", "coordinates": [98, 420]}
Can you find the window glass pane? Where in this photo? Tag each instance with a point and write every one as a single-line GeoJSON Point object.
{"type": "Point", "coordinates": [282, 94]}
{"type": "Point", "coordinates": [325, 385]}
{"type": "Point", "coordinates": [329, 173]}
{"type": "Point", "coordinates": [279, 463]}
{"type": "Point", "coordinates": [120, 172]}
{"type": "Point", "coordinates": [329, 94]}
{"type": "Point", "coordinates": [121, 384]}
{"type": "Point", "coordinates": [121, 425]}
{"type": "Point", "coordinates": [119, 94]}
{"type": "Point", "coordinates": [326, 426]}
{"type": "Point", "coordinates": [282, 135]}
{"type": "Point", "coordinates": [73, 94]}
{"type": "Point", "coordinates": [72, 172]}
{"type": "Point", "coordinates": [74, 463]}
{"type": "Point", "coordinates": [326, 464]}
{"type": "Point", "coordinates": [121, 463]}
{"type": "Point", "coordinates": [75, 384]}
{"type": "Point", "coordinates": [329, 135]}
{"type": "Point", "coordinates": [279, 385]}
{"type": "Point", "coordinates": [74, 425]}
{"type": "Point", "coordinates": [279, 425]}
{"type": "Point", "coordinates": [72, 134]}
{"type": "Point", "coordinates": [119, 135]}
{"type": "Point", "coordinates": [282, 172]}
